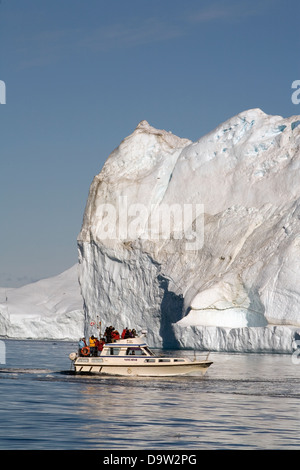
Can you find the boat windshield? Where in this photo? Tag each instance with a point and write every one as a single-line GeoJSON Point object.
{"type": "Point", "coordinates": [148, 351]}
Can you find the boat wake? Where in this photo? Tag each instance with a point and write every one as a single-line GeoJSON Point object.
{"type": "Point", "coordinates": [11, 370]}
{"type": "Point", "coordinates": [259, 387]}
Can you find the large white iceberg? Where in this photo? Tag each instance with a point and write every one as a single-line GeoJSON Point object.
{"type": "Point", "coordinates": [199, 242]}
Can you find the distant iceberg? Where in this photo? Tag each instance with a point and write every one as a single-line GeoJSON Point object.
{"type": "Point", "coordinates": [48, 309]}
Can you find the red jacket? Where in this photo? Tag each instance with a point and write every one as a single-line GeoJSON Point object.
{"type": "Point", "coordinates": [115, 335]}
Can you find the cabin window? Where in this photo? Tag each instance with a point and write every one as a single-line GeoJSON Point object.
{"type": "Point", "coordinates": [178, 360]}
{"type": "Point", "coordinates": [114, 351]}
{"type": "Point", "coordinates": [164, 360]}
{"type": "Point", "coordinates": [135, 352]}
{"type": "Point", "coordinates": [149, 360]}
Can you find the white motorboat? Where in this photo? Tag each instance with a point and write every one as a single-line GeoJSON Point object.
{"type": "Point", "coordinates": [133, 357]}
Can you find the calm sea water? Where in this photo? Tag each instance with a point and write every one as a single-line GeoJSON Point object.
{"type": "Point", "coordinates": [245, 401]}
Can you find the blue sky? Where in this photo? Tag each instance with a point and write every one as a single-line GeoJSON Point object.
{"type": "Point", "coordinates": [80, 75]}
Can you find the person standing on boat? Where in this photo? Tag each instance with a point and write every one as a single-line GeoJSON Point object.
{"type": "Point", "coordinates": [100, 344]}
{"type": "Point", "coordinates": [108, 333]}
{"type": "Point", "coordinates": [124, 333]}
{"type": "Point", "coordinates": [81, 344]}
{"type": "Point", "coordinates": [115, 335]}
{"type": "Point", "coordinates": [93, 347]}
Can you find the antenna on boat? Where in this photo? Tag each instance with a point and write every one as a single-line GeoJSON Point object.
{"type": "Point", "coordinates": [99, 326]}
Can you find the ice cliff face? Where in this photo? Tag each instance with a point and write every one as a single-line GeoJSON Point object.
{"type": "Point", "coordinates": [199, 242]}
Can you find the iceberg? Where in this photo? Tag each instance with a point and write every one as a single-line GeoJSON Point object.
{"type": "Point", "coordinates": [198, 242]}
{"type": "Point", "coordinates": [47, 309]}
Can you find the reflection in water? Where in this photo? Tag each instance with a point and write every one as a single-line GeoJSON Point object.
{"type": "Point", "coordinates": [194, 413]}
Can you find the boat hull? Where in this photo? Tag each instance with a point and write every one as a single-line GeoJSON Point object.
{"type": "Point", "coordinates": [156, 369]}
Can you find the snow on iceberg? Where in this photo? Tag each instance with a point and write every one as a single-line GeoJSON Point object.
{"type": "Point", "coordinates": [48, 309]}
{"type": "Point", "coordinates": [198, 242]}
